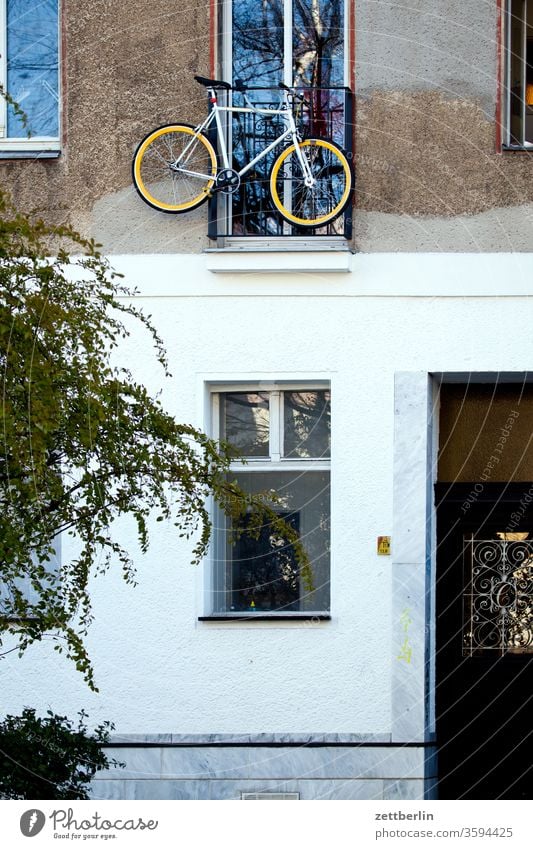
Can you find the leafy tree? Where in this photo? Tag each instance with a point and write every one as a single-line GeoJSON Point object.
{"type": "Point", "coordinates": [83, 442]}
{"type": "Point", "coordinates": [49, 757]}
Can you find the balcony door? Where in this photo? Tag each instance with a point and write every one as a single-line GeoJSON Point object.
{"type": "Point", "coordinates": [265, 42]}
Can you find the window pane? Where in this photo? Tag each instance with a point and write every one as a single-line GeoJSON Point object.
{"type": "Point", "coordinates": [307, 423]}
{"type": "Point", "coordinates": [246, 422]}
{"type": "Point", "coordinates": [258, 42]}
{"type": "Point", "coordinates": [32, 66]}
{"type": "Point", "coordinates": [262, 574]}
{"type": "Point", "coordinates": [318, 43]}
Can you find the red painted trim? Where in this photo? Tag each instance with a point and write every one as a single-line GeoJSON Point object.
{"type": "Point", "coordinates": [352, 82]}
{"type": "Point", "coordinates": [213, 29]}
{"type": "Point", "coordinates": [499, 72]}
{"type": "Point", "coordinates": [351, 44]}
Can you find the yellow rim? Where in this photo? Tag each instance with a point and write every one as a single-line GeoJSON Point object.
{"type": "Point", "coordinates": [140, 155]}
{"type": "Point", "coordinates": [275, 171]}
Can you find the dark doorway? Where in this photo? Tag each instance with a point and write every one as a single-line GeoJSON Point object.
{"type": "Point", "coordinates": [484, 661]}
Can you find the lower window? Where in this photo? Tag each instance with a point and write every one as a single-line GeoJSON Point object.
{"type": "Point", "coordinates": [283, 434]}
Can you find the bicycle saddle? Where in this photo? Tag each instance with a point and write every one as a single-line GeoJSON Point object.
{"type": "Point", "coordinates": [212, 83]}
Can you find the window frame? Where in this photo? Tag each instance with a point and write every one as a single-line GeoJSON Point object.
{"type": "Point", "coordinates": [256, 465]}
{"type": "Point", "coordinates": [222, 67]}
{"type": "Point", "coordinates": [507, 52]}
{"type": "Point", "coordinates": [20, 145]}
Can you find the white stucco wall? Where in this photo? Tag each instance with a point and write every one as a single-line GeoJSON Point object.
{"type": "Point", "coordinates": [158, 668]}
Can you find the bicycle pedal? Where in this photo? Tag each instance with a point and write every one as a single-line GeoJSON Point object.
{"type": "Point", "coordinates": [227, 180]}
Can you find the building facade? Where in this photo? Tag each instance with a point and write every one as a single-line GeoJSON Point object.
{"type": "Point", "coordinates": [375, 372]}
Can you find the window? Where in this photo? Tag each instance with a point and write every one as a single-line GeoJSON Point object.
{"type": "Point", "coordinates": [283, 431]}
{"type": "Point", "coordinates": [30, 591]}
{"type": "Point", "coordinates": [299, 42]}
{"type": "Point", "coordinates": [29, 71]}
{"type": "Point", "coordinates": [519, 74]}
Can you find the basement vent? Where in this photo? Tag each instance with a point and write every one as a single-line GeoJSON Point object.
{"type": "Point", "coordinates": [263, 796]}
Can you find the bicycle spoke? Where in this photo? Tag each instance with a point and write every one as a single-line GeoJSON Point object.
{"type": "Point", "coordinates": [321, 202]}
{"type": "Point", "coordinates": [157, 174]}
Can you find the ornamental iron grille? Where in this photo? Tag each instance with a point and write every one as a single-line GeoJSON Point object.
{"type": "Point", "coordinates": [498, 596]}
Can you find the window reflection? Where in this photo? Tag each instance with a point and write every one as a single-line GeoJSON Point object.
{"type": "Point", "coordinates": [262, 568]}
{"type": "Point", "coordinates": [318, 43]}
{"type": "Point", "coordinates": [258, 38]}
{"type": "Point", "coordinates": [307, 424]}
{"type": "Point", "coordinates": [246, 423]}
{"type": "Point", "coordinates": [313, 32]}
{"type": "Point", "coordinates": [32, 66]}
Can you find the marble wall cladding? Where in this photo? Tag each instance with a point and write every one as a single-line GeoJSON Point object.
{"type": "Point", "coordinates": [248, 739]}
{"type": "Point", "coordinates": [398, 790]}
{"type": "Point", "coordinates": [411, 542]}
{"type": "Point", "coordinates": [233, 789]}
{"type": "Point", "coordinates": [236, 762]}
{"type": "Point", "coordinates": [224, 772]}
{"type": "Point", "coordinates": [411, 439]}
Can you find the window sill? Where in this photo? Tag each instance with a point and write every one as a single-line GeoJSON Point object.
{"type": "Point", "coordinates": [266, 259]}
{"type": "Point", "coordinates": [266, 617]}
{"type": "Point", "coordinates": [517, 149]}
{"type": "Point", "coordinates": [6, 153]}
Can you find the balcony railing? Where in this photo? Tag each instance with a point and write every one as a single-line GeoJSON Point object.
{"type": "Point", "coordinates": [249, 212]}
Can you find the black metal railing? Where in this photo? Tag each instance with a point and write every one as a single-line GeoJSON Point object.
{"type": "Point", "coordinates": [249, 212]}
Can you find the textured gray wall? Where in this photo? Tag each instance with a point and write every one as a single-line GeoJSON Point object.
{"type": "Point", "coordinates": [421, 44]}
{"type": "Point", "coordinates": [429, 174]}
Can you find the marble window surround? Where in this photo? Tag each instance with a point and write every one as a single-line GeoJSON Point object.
{"type": "Point", "coordinates": [413, 566]}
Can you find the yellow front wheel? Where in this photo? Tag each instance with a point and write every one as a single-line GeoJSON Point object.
{"type": "Point", "coordinates": [325, 196]}
{"type": "Point", "coordinates": [174, 168]}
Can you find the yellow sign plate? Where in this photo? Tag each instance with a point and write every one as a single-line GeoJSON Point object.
{"type": "Point", "coordinates": [383, 545]}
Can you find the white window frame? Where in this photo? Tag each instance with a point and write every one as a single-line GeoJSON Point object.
{"type": "Point", "coordinates": [275, 463]}
{"type": "Point", "coordinates": [507, 91]}
{"type": "Point", "coordinates": [34, 143]}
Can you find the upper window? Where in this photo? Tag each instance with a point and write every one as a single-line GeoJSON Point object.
{"type": "Point", "coordinates": [299, 42]}
{"type": "Point", "coordinates": [302, 43]}
{"type": "Point", "coordinates": [519, 74]}
{"type": "Point", "coordinates": [284, 434]}
{"type": "Point", "coordinates": [29, 72]}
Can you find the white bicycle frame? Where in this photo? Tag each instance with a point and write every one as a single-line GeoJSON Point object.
{"type": "Point", "coordinates": [215, 115]}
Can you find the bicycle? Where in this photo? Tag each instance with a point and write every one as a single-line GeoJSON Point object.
{"type": "Point", "coordinates": [176, 167]}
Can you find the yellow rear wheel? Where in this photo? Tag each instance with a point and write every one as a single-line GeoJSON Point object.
{"type": "Point", "coordinates": [174, 168]}
{"type": "Point", "coordinates": [317, 204]}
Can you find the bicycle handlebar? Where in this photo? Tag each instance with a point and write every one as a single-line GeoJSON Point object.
{"type": "Point", "coordinates": [240, 85]}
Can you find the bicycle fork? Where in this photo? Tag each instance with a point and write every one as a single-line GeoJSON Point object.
{"type": "Point", "coordinates": [309, 180]}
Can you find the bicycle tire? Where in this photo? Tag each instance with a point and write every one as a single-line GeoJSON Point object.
{"type": "Point", "coordinates": [168, 190]}
{"type": "Point", "coordinates": [317, 205]}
